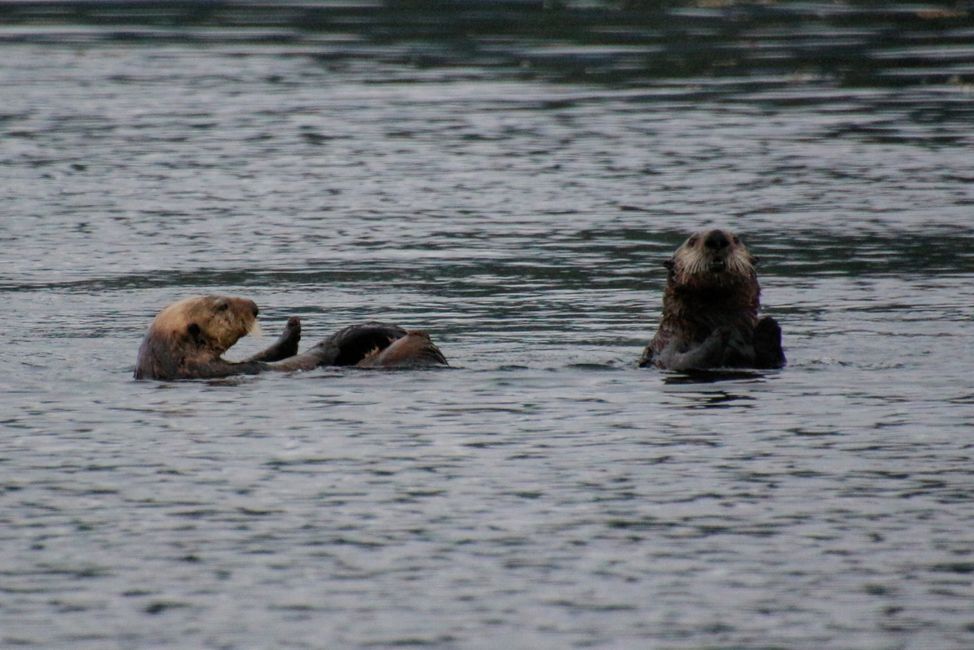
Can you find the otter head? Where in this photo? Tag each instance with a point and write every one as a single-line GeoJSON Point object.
{"type": "Point", "coordinates": [710, 260]}
{"type": "Point", "coordinates": [211, 324]}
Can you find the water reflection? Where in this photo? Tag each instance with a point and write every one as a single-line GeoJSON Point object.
{"type": "Point", "coordinates": [711, 376]}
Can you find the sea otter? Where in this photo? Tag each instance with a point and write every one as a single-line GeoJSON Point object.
{"type": "Point", "coordinates": [187, 339]}
{"type": "Point", "coordinates": [710, 310]}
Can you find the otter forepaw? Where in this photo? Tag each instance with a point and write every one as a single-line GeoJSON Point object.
{"type": "Point", "coordinates": [722, 334]}
{"type": "Point", "coordinates": [286, 344]}
{"type": "Point", "coordinates": [292, 328]}
{"type": "Point", "coordinates": [707, 354]}
{"type": "Point", "coordinates": [768, 352]}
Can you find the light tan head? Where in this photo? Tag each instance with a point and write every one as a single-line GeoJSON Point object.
{"type": "Point", "coordinates": [711, 259]}
{"type": "Point", "coordinates": [211, 322]}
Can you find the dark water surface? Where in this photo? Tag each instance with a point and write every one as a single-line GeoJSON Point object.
{"type": "Point", "coordinates": [510, 179]}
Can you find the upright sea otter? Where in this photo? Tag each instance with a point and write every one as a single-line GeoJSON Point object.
{"type": "Point", "coordinates": [187, 339]}
{"type": "Point", "coordinates": [710, 310]}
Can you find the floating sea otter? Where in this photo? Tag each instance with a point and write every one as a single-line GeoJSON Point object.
{"type": "Point", "coordinates": [710, 310]}
{"type": "Point", "coordinates": [187, 338]}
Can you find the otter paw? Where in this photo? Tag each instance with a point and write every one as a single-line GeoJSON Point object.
{"type": "Point", "coordinates": [767, 344]}
{"type": "Point", "coordinates": [293, 326]}
{"type": "Point", "coordinates": [721, 335]}
{"type": "Point", "coordinates": [287, 343]}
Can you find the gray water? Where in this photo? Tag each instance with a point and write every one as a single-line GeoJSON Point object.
{"type": "Point", "coordinates": [509, 179]}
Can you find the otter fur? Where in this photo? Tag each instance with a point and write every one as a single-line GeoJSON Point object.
{"type": "Point", "coordinates": [187, 340]}
{"type": "Point", "coordinates": [710, 310]}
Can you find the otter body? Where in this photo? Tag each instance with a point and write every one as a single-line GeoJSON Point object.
{"type": "Point", "coordinates": [710, 310]}
{"type": "Point", "coordinates": [187, 339]}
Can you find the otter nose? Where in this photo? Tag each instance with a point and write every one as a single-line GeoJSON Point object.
{"type": "Point", "coordinates": [244, 305]}
{"type": "Point", "coordinates": [716, 240]}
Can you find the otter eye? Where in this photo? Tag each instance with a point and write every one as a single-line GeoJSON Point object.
{"type": "Point", "coordinates": [193, 329]}
{"type": "Point", "coordinates": [737, 240]}
{"type": "Point", "coordinates": [692, 241]}
{"type": "Point", "coordinates": [223, 306]}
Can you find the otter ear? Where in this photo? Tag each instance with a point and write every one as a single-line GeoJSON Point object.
{"type": "Point", "coordinates": [669, 264]}
{"type": "Point", "coordinates": [194, 331]}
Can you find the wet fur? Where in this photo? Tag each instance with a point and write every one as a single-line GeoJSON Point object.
{"type": "Point", "coordinates": [187, 339]}
{"type": "Point", "coordinates": [710, 310]}
{"type": "Point", "coordinates": [415, 348]}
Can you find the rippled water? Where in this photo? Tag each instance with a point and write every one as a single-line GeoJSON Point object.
{"type": "Point", "coordinates": [510, 179]}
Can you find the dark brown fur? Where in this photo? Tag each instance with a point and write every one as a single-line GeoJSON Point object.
{"type": "Point", "coordinates": [187, 340]}
{"type": "Point", "coordinates": [710, 310]}
{"type": "Point", "coordinates": [415, 348]}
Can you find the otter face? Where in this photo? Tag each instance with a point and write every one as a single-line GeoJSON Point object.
{"type": "Point", "coordinates": [211, 322]}
{"type": "Point", "coordinates": [711, 258]}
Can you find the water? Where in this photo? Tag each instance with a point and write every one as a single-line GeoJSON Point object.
{"type": "Point", "coordinates": [509, 179]}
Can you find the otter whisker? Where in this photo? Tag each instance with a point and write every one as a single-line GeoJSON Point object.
{"type": "Point", "coordinates": [696, 266]}
{"type": "Point", "coordinates": [255, 329]}
{"type": "Point", "coordinates": [739, 265]}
